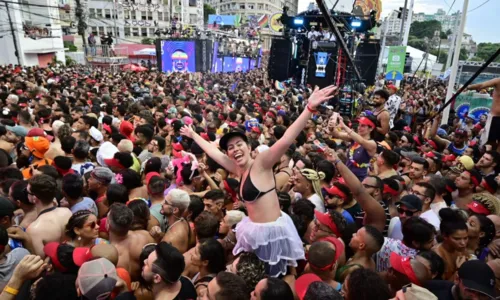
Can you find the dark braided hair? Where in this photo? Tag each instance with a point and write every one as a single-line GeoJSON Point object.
{"type": "Point", "coordinates": [77, 220]}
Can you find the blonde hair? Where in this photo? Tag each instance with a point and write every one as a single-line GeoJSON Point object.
{"type": "Point", "coordinates": [315, 179]}
{"type": "Point", "coordinates": [180, 199]}
{"type": "Point", "coordinates": [125, 145]}
{"type": "Point", "coordinates": [234, 217]}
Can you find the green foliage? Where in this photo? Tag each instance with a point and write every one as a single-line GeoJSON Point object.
{"type": "Point", "coordinates": [147, 41]}
{"type": "Point", "coordinates": [207, 10]}
{"type": "Point", "coordinates": [415, 42]}
{"type": "Point", "coordinates": [443, 55]}
{"type": "Point", "coordinates": [424, 29]}
{"type": "Point", "coordinates": [69, 61]}
{"type": "Point", "coordinates": [71, 46]}
{"type": "Point", "coordinates": [485, 50]}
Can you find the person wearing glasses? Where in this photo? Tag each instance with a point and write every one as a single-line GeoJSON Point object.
{"type": "Point", "coordinates": [83, 230]}
{"type": "Point", "coordinates": [409, 206]}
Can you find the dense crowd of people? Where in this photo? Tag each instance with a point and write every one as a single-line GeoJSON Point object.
{"type": "Point", "coordinates": [227, 186]}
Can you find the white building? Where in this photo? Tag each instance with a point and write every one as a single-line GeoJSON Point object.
{"type": "Point", "coordinates": [132, 20]}
{"type": "Point", "coordinates": [253, 7]}
{"type": "Point", "coordinates": [394, 23]}
{"type": "Point", "coordinates": [448, 22]}
{"type": "Point", "coordinates": [36, 35]}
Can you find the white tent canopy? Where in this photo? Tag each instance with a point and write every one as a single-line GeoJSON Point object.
{"type": "Point", "coordinates": [417, 56]}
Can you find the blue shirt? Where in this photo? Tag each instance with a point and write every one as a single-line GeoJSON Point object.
{"type": "Point", "coordinates": [85, 204]}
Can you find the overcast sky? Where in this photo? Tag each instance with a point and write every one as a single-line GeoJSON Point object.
{"type": "Point", "coordinates": [482, 22]}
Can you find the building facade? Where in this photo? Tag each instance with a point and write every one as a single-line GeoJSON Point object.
{"type": "Point", "coordinates": [448, 22]}
{"type": "Point", "coordinates": [393, 25]}
{"type": "Point", "coordinates": [253, 7]}
{"type": "Point", "coordinates": [36, 36]}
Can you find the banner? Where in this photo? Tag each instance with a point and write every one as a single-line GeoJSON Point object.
{"type": "Point", "coordinates": [472, 104]}
{"type": "Point", "coordinates": [396, 62]}
{"type": "Point", "coordinates": [363, 8]}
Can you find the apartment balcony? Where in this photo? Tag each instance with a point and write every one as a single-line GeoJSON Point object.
{"type": "Point", "coordinates": [106, 54]}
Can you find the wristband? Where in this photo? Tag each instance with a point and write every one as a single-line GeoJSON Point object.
{"type": "Point", "coordinates": [336, 162]}
{"type": "Point", "coordinates": [310, 109]}
{"type": "Point", "coordinates": [10, 290]}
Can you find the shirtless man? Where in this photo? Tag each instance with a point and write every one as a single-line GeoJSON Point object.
{"type": "Point", "coordinates": [466, 183]}
{"type": "Point", "coordinates": [492, 136]}
{"type": "Point", "coordinates": [365, 242]}
{"type": "Point", "coordinates": [50, 224]}
{"type": "Point", "coordinates": [174, 206]}
{"type": "Point", "coordinates": [128, 243]}
{"type": "Point", "coordinates": [381, 113]}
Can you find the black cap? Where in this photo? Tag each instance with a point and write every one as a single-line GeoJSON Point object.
{"type": "Point", "coordinates": [225, 139]}
{"type": "Point", "coordinates": [412, 202]}
{"type": "Point", "coordinates": [6, 207]}
{"type": "Point", "coordinates": [478, 276]}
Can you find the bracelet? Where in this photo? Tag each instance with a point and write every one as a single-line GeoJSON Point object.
{"type": "Point", "coordinates": [11, 290]}
{"type": "Point", "coordinates": [336, 162]}
{"type": "Point", "coordinates": [310, 109]}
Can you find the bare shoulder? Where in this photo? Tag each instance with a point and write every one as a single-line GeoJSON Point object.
{"type": "Point", "coordinates": [143, 237]}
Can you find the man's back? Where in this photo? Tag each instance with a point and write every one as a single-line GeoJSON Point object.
{"type": "Point", "coordinates": [48, 227]}
{"type": "Point", "coordinates": [129, 250]}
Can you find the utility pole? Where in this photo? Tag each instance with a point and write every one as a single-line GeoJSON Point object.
{"type": "Point", "coordinates": [452, 45]}
{"type": "Point", "coordinates": [14, 40]}
{"type": "Point", "coordinates": [454, 66]}
{"type": "Point", "coordinates": [81, 22]}
{"type": "Point", "coordinates": [384, 38]}
{"type": "Point", "coordinates": [407, 28]}
{"type": "Point", "coordinates": [403, 18]}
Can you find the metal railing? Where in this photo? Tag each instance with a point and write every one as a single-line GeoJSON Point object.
{"type": "Point", "coordinates": [106, 51]}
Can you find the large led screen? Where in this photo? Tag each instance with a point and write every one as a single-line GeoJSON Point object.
{"type": "Point", "coordinates": [178, 56]}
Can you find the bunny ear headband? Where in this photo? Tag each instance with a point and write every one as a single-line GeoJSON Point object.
{"type": "Point", "coordinates": [181, 162]}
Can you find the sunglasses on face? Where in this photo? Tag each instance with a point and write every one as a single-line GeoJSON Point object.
{"type": "Point", "coordinates": [92, 224]}
{"type": "Point", "coordinates": [408, 213]}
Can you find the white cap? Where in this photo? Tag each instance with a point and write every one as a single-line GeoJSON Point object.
{"type": "Point", "coordinates": [96, 134]}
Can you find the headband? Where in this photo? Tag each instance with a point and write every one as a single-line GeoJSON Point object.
{"type": "Point", "coordinates": [271, 114]}
{"type": "Point", "coordinates": [335, 191]}
{"type": "Point", "coordinates": [473, 179]}
{"type": "Point", "coordinates": [389, 190]}
{"type": "Point", "coordinates": [367, 122]}
{"type": "Point", "coordinates": [485, 184]}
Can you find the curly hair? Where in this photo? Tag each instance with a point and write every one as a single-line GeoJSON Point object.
{"type": "Point", "coordinates": [373, 286]}
{"type": "Point", "coordinates": [489, 201]}
{"type": "Point", "coordinates": [488, 227]}
{"type": "Point", "coordinates": [77, 220]}
{"type": "Point", "coordinates": [339, 221]}
{"type": "Point", "coordinates": [251, 269]}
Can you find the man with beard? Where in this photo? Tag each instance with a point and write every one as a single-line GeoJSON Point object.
{"type": "Point", "coordinates": [488, 163]}
{"type": "Point", "coordinates": [76, 113]}
{"type": "Point", "coordinates": [214, 203]}
{"type": "Point", "coordinates": [8, 140]}
{"type": "Point", "coordinates": [143, 136]}
{"type": "Point", "coordinates": [458, 145]}
{"type": "Point", "coordinates": [178, 232]}
{"type": "Point", "coordinates": [380, 112]}
{"type": "Point", "coordinates": [163, 269]}
{"type": "Point", "coordinates": [128, 243]}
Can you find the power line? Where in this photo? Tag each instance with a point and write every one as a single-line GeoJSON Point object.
{"type": "Point", "coordinates": [451, 7]}
{"type": "Point", "coordinates": [479, 6]}
{"type": "Point", "coordinates": [31, 4]}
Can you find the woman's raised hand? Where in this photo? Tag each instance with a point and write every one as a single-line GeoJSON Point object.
{"type": "Point", "coordinates": [320, 96]}
{"type": "Point", "coordinates": [187, 131]}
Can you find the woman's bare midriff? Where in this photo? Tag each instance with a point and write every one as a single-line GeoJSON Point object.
{"type": "Point", "coordinates": [266, 209]}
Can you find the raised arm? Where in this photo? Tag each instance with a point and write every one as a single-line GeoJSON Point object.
{"type": "Point", "coordinates": [369, 145]}
{"type": "Point", "coordinates": [281, 146]}
{"type": "Point", "coordinates": [433, 132]}
{"type": "Point", "coordinates": [374, 212]}
{"type": "Point", "coordinates": [210, 149]}
{"type": "Point", "coordinates": [484, 85]}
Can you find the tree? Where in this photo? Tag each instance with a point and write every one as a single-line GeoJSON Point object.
{"type": "Point", "coordinates": [147, 41]}
{"type": "Point", "coordinates": [207, 10]}
{"type": "Point", "coordinates": [425, 29]}
{"type": "Point", "coordinates": [485, 50]}
{"type": "Point", "coordinates": [415, 42]}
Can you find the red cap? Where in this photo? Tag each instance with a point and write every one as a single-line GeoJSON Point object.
{"type": "Point", "coordinates": [392, 87]}
{"type": "Point", "coordinates": [432, 144]}
{"type": "Point", "coordinates": [39, 132]}
{"type": "Point", "coordinates": [303, 282]}
{"type": "Point", "coordinates": [478, 208]}
{"type": "Point", "coordinates": [113, 162]}
{"type": "Point", "coordinates": [50, 250]}
{"type": "Point", "coordinates": [107, 128]}
{"type": "Point", "coordinates": [403, 266]}
{"type": "Point", "coordinates": [82, 255]}
{"type": "Point", "coordinates": [430, 154]}
{"type": "Point", "coordinates": [324, 218]}
{"type": "Point", "coordinates": [449, 157]}
{"type": "Point", "coordinates": [256, 129]}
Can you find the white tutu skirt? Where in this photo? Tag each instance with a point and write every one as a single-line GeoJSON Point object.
{"type": "Point", "coordinates": [276, 243]}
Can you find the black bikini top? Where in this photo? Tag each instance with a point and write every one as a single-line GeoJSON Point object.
{"type": "Point", "coordinates": [249, 191]}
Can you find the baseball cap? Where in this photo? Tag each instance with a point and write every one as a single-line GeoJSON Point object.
{"type": "Point", "coordinates": [97, 279]}
{"type": "Point", "coordinates": [102, 174]}
{"type": "Point", "coordinates": [37, 145]}
{"type": "Point", "coordinates": [17, 130]}
{"type": "Point", "coordinates": [412, 202]}
{"type": "Point", "coordinates": [80, 255]}
{"type": "Point", "coordinates": [478, 276]}
{"type": "Point", "coordinates": [403, 266]}
{"type": "Point", "coordinates": [6, 207]}
{"type": "Point", "coordinates": [478, 208]}
{"type": "Point", "coordinates": [325, 219]}
{"type": "Point", "coordinates": [39, 132]}
{"type": "Point", "coordinates": [95, 134]}
{"type": "Point", "coordinates": [466, 162]}
{"type": "Point", "coordinates": [409, 154]}
{"type": "Point", "coordinates": [120, 160]}
{"type": "Point", "coordinates": [303, 282]}
{"type": "Point", "coordinates": [449, 157]}
{"type": "Point", "coordinates": [461, 133]}
{"type": "Point", "coordinates": [415, 292]}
